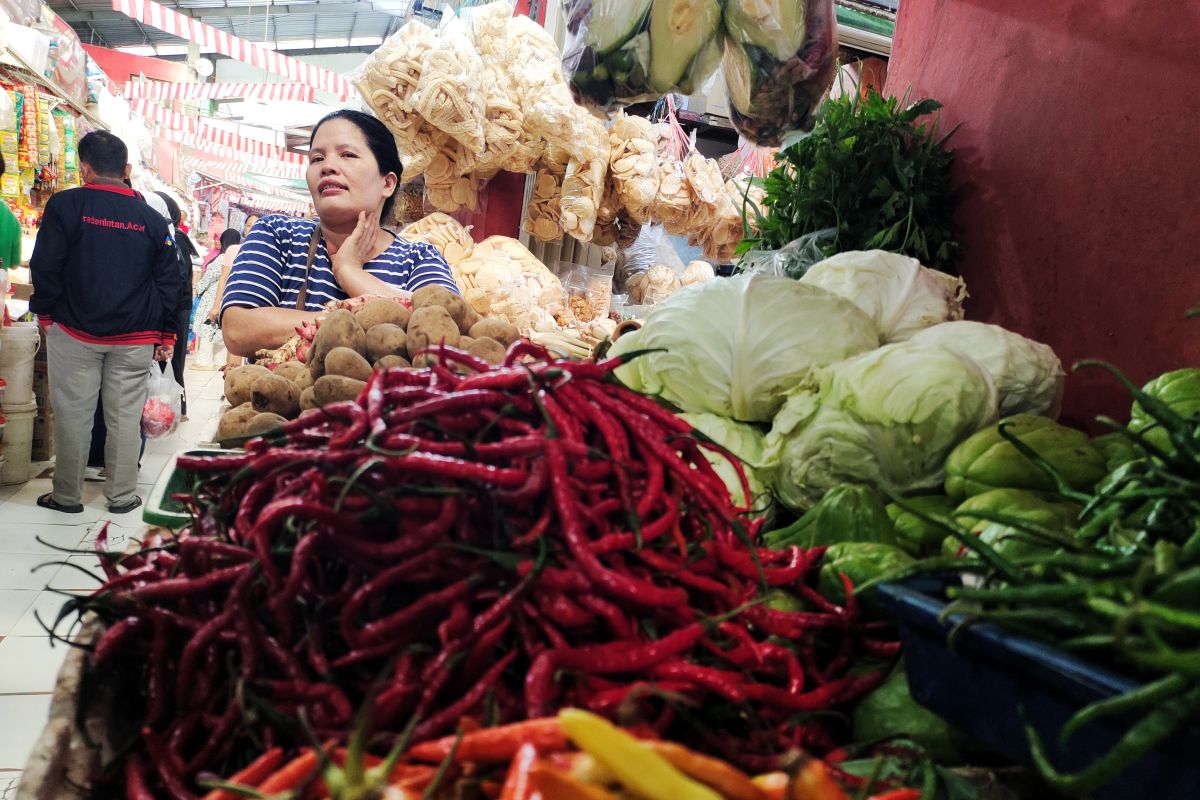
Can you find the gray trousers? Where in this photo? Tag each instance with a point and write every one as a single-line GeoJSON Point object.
{"type": "Point", "coordinates": [80, 373]}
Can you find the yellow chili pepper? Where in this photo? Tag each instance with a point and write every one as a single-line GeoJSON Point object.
{"type": "Point", "coordinates": [635, 766]}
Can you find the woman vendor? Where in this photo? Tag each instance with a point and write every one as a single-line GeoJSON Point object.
{"type": "Point", "coordinates": [288, 269]}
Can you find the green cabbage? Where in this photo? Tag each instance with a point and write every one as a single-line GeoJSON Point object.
{"type": "Point", "coordinates": [895, 291]}
{"type": "Point", "coordinates": [1028, 375]}
{"type": "Point", "coordinates": [746, 442]}
{"type": "Point", "coordinates": [735, 347]}
{"type": "Point", "coordinates": [887, 418]}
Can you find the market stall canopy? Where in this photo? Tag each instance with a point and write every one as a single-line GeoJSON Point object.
{"type": "Point", "coordinates": [322, 26]}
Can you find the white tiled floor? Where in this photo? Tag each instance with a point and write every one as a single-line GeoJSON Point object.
{"type": "Point", "coordinates": [28, 662]}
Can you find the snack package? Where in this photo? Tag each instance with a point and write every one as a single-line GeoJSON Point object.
{"type": "Point", "coordinates": [626, 51]}
{"type": "Point", "coordinates": [633, 165]}
{"type": "Point", "coordinates": [449, 94]}
{"type": "Point", "coordinates": [160, 414]}
{"type": "Point", "coordinates": [584, 183]}
{"type": "Point", "coordinates": [445, 233]}
{"type": "Point", "coordinates": [780, 60]}
{"type": "Point", "coordinates": [387, 82]}
{"type": "Point", "coordinates": [589, 292]}
{"type": "Point", "coordinates": [651, 249]}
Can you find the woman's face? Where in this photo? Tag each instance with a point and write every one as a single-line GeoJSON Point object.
{"type": "Point", "coordinates": [343, 175]}
{"type": "Point", "coordinates": [250, 220]}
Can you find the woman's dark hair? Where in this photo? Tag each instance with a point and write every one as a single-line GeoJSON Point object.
{"type": "Point", "coordinates": [229, 238]}
{"type": "Point", "coordinates": [2, 165]}
{"type": "Point", "coordinates": [105, 153]}
{"type": "Point", "coordinates": [380, 142]}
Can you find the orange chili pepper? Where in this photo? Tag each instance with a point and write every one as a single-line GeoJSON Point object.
{"type": "Point", "coordinates": [293, 773]}
{"type": "Point", "coordinates": [773, 784]}
{"type": "Point", "coordinates": [898, 794]}
{"type": "Point", "coordinates": [731, 782]}
{"type": "Point", "coordinates": [813, 782]}
{"type": "Point", "coordinates": [252, 775]}
{"type": "Point", "coordinates": [494, 745]}
{"type": "Point", "coordinates": [517, 784]}
{"type": "Point", "coordinates": [554, 785]}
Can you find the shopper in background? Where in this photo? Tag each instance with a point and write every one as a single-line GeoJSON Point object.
{"type": "Point", "coordinates": [289, 268]}
{"type": "Point", "coordinates": [105, 282]}
{"type": "Point", "coordinates": [249, 224]}
{"type": "Point", "coordinates": [10, 233]}
{"type": "Point", "coordinates": [211, 290]}
{"type": "Point", "coordinates": [186, 252]}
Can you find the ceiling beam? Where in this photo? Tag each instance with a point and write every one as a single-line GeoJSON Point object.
{"type": "Point", "coordinates": [232, 12]}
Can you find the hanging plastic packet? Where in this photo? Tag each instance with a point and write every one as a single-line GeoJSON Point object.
{"type": "Point", "coordinates": [673, 205]}
{"type": "Point", "coordinates": [583, 185]}
{"type": "Point", "coordinates": [503, 122]}
{"type": "Point", "coordinates": [780, 59]}
{"type": "Point", "coordinates": [633, 166]}
{"type": "Point", "coordinates": [449, 94]}
{"type": "Point", "coordinates": [627, 51]}
{"type": "Point", "coordinates": [543, 214]}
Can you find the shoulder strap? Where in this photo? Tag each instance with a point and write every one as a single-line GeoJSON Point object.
{"type": "Point", "coordinates": [302, 297]}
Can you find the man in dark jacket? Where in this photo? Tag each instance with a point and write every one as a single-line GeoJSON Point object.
{"type": "Point", "coordinates": [106, 282]}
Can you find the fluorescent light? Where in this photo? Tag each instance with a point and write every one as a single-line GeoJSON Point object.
{"type": "Point", "coordinates": [366, 41]}
{"type": "Point", "coordinates": [338, 41]}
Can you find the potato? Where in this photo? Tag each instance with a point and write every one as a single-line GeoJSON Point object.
{"type": "Point", "coordinates": [379, 312]}
{"type": "Point", "coordinates": [501, 330]}
{"type": "Point", "coordinates": [471, 318]}
{"type": "Point", "coordinates": [443, 297]}
{"type": "Point", "coordinates": [339, 329]}
{"type": "Point", "coordinates": [386, 339]}
{"type": "Point", "coordinates": [387, 362]}
{"type": "Point", "coordinates": [430, 325]}
{"type": "Point", "coordinates": [344, 361]}
{"type": "Point", "coordinates": [489, 350]}
{"type": "Point", "coordinates": [239, 381]}
{"type": "Point", "coordinates": [308, 400]}
{"type": "Point", "coordinates": [465, 342]}
{"type": "Point", "coordinates": [234, 421]}
{"type": "Point", "coordinates": [333, 388]}
{"type": "Point", "coordinates": [292, 370]}
{"type": "Point", "coordinates": [276, 395]}
{"type": "Point", "coordinates": [262, 423]}
{"type": "Point", "coordinates": [304, 378]}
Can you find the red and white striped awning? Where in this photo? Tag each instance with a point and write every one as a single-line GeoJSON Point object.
{"type": "Point", "coordinates": [266, 196]}
{"type": "Point", "coordinates": [172, 126]}
{"type": "Point", "coordinates": [160, 90]}
{"type": "Point", "coordinates": [164, 19]}
{"type": "Point", "coordinates": [234, 157]}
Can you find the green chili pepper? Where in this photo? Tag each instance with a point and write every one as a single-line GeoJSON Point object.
{"type": "Point", "coordinates": [1148, 732]}
{"type": "Point", "coordinates": [1148, 695]}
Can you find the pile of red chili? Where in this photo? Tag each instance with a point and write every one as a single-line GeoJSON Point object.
{"type": "Point", "coordinates": [471, 541]}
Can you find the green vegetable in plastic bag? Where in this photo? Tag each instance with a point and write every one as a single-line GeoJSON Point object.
{"type": "Point", "coordinates": [847, 513]}
{"type": "Point", "coordinates": [988, 461]}
{"type": "Point", "coordinates": [913, 534]}
{"type": "Point", "coordinates": [1180, 390]}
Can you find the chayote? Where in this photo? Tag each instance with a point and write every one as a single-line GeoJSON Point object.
{"type": "Point", "coordinates": [914, 535]}
{"type": "Point", "coordinates": [1180, 390]}
{"type": "Point", "coordinates": [988, 461]}
{"type": "Point", "coordinates": [1042, 517]}
{"type": "Point", "coordinates": [860, 561]}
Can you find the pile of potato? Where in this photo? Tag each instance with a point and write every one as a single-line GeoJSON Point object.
{"type": "Point", "coordinates": [348, 347]}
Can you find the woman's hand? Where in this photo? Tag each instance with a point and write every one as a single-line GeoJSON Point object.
{"type": "Point", "coordinates": [358, 249]}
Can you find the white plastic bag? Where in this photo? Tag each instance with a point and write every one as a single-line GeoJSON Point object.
{"type": "Point", "coordinates": [160, 414]}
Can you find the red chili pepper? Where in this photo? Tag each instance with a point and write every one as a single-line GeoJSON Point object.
{"type": "Point", "coordinates": [517, 783]}
{"type": "Point", "coordinates": [382, 629]}
{"type": "Point", "coordinates": [898, 794]}
{"type": "Point", "coordinates": [136, 787]}
{"type": "Point", "coordinates": [173, 588]}
{"type": "Point", "coordinates": [725, 684]}
{"type": "Point", "coordinates": [166, 764]}
{"type": "Point", "coordinates": [450, 714]}
{"type": "Point", "coordinates": [114, 639]}
{"type": "Point", "coordinates": [615, 657]}
{"type": "Point", "coordinates": [539, 683]}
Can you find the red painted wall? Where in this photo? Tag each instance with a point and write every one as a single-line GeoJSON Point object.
{"type": "Point", "coordinates": [1079, 160]}
{"type": "Point", "coordinates": [121, 67]}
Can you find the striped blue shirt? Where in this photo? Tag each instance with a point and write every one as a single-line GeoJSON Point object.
{"type": "Point", "coordinates": [269, 269]}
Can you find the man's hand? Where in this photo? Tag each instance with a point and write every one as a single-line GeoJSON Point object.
{"type": "Point", "coordinates": [164, 352]}
{"type": "Point", "coordinates": [357, 250]}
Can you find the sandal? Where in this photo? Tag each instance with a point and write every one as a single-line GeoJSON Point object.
{"type": "Point", "coordinates": [136, 502]}
{"type": "Point", "coordinates": [48, 501]}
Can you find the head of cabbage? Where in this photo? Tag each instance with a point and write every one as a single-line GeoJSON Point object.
{"type": "Point", "coordinates": [1027, 374]}
{"type": "Point", "coordinates": [746, 443]}
{"type": "Point", "coordinates": [900, 295]}
{"type": "Point", "coordinates": [735, 347]}
{"type": "Point", "coordinates": [887, 418]}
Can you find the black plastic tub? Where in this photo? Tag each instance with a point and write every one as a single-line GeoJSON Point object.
{"type": "Point", "coordinates": [990, 682]}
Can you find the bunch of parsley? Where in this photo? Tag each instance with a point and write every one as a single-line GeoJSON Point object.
{"type": "Point", "coordinates": [873, 172]}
